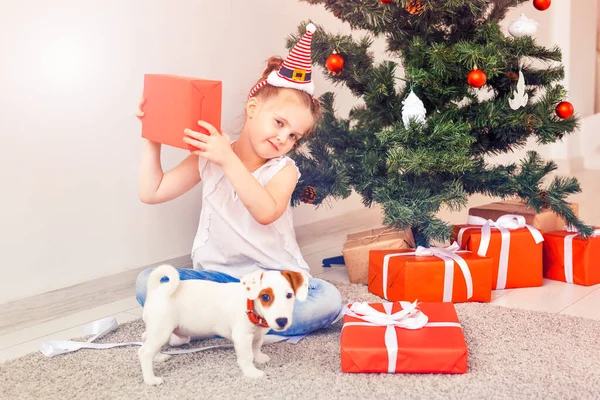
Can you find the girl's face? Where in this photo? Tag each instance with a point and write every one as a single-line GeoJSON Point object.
{"type": "Point", "coordinates": [277, 123]}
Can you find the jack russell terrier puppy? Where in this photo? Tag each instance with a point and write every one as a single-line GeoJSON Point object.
{"type": "Point", "coordinates": [175, 311]}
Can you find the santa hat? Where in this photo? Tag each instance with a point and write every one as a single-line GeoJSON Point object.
{"type": "Point", "coordinates": [296, 70]}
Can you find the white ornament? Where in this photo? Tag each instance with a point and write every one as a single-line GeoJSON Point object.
{"type": "Point", "coordinates": [414, 109]}
{"type": "Point", "coordinates": [466, 101]}
{"type": "Point", "coordinates": [522, 26]}
{"type": "Point", "coordinates": [486, 93]}
{"type": "Point", "coordinates": [519, 98]}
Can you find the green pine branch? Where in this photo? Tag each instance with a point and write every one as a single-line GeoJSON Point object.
{"type": "Point", "coordinates": [415, 170]}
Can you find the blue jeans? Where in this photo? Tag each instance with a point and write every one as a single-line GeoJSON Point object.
{"type": "Point", "coordinates": [319, 310]}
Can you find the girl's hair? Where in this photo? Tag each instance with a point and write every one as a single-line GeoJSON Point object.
{"type": "Point", "coordinates": [269, 91]}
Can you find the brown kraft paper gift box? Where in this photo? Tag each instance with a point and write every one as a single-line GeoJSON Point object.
{"type": "Point", "coordinates": [546, 220]}
{"type": "Point", "coordinates": [357, 246]}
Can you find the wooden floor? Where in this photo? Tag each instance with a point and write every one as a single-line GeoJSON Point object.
{"type": "Point", "coordinates": [63, 313]}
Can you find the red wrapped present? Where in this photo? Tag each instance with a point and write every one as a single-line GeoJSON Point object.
{"type": "Point", "coordinates": [572, 259]}
{"type": "Point", "coordinates": [515, 247]}
{"type": "Point", "coordinates": [430, 274]}
{"type": "Point", "coordinates": [401, 337]}
{"type": "Point", "coordinates": [174, 103]}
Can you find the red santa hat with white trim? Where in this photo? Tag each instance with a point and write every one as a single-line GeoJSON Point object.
{"type": "Point", "coordinates": [296, 70]}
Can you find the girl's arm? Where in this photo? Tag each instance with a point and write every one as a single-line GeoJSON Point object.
{"type": "Point", "coordinates": [265, 204]}
{"type": "Point", "coordinates": [158, 187]}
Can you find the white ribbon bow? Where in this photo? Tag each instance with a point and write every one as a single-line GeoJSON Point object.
{"type": "Point", "coordinates": [409, 317]}
{"type": "Point", "coordinates": [504, 224]}
{"type": "Point", "coordinates": [99, 328]}
{"type": "Point", "coordinates": [448, 255]}
{"type": "Point", "coordinates": [568, 244]}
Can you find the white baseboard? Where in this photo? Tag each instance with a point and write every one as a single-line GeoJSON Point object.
{"type": "Point", "coordinates": [17, 314]}
{"type": "Point", "coordinates": [44, 307]}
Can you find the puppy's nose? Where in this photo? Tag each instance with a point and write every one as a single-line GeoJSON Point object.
{"type": "Point", "coordinates": [281, 322]}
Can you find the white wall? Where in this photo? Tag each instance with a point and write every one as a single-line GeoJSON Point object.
{"type": "Point", "coordinates": [597, 100]}
{"type": "Point", "coordinates": [590, 141]}
{"type": "Point", "coordinates": [70, 77]}
{"type": "Point", "coordinates": [582, 77]}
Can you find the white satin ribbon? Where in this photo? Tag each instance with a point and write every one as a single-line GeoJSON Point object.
{"type": "Point", "coordinates": [568, 245]}
{"type": "Point", "coordinates": [448, 255]}
{"type": "Point", "coordinates": [504, 224]}
{"type": "Point", "coordinates": [409, 317]}
{"type": "Point", "coordinates": [99, 328]}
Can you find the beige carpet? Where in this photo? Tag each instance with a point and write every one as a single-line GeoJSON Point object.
{"type": "Point", "coordinates": [514, 354]}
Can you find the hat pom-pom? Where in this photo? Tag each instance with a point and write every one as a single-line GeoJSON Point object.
{"type": "Point", "coordinates": [311, 28]}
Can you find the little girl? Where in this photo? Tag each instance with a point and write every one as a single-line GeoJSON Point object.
{"type": "Point", "coordinates": [246, 218]}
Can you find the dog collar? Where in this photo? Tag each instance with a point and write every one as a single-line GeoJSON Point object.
{"type": "Point", "coordinates": [254, 317]}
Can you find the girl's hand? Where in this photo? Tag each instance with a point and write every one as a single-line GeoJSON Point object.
{"type": "Point", "coordinates": [139, 112]}
{"type": "Point", "coordinates": [215, 146]}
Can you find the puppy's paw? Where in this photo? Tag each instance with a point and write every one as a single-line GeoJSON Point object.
{"type": "Point", "coordinates": [160, 357]}
{"type": "Point", "coordinates": [254, 373]}
{"type": "Point", "coordinates": [154, 381]}
{"type": "Point", "coordinates": [176, 340]}
{"type": "Point", "coordinates": [261, 358]}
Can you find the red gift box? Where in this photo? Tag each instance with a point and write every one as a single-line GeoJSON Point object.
{"type": "Point", "coordinates": [572, 259]}
{"type": "Point", "coordinates": [174, 103]}
{"type": "Point", "coordinates": [515, 247]}
{"type": "Point", "coordinates": [434, 274]}
{"type": "Point", "coordinates": [370, 343]}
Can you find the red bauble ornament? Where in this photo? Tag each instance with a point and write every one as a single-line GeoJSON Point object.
{"type": "Point", "coordinates": [477, 78]}
{"type": "Point", "coordinates": [565, 110]}
{"type": "Point", "coordinates": [542, 4]}
{"type": "Point", "coordinates": [385, 1]}
{"type": "Point", "coordinates": [335, 64]}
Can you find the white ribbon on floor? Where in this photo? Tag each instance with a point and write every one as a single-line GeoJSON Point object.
{"type": "Point", "coordinates": [568, 244]}
{"type": "Point", "coordinates": [99, 328]}
{"type": "Point", "coordinates": [504, 224]}
{"type": "Point", "coordinates": [409, 317]}
{"type": "Point", "coordinates": [448, 255]}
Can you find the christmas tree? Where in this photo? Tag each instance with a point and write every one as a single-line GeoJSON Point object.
{"type": "Point", "coordinates": [423, 142]}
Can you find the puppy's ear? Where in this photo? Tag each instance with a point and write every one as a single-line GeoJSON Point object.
{"type": "Point", "coordinates": [251, 283]}
{"type": "Point", "coordinates": [299, 283]}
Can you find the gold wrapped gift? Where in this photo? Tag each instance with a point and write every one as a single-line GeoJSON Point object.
{"type": "Point", "coordinates": [357, 246]}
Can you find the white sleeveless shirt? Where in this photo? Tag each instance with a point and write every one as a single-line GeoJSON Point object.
{"type": "Point", "coordinates": [230, 240]}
